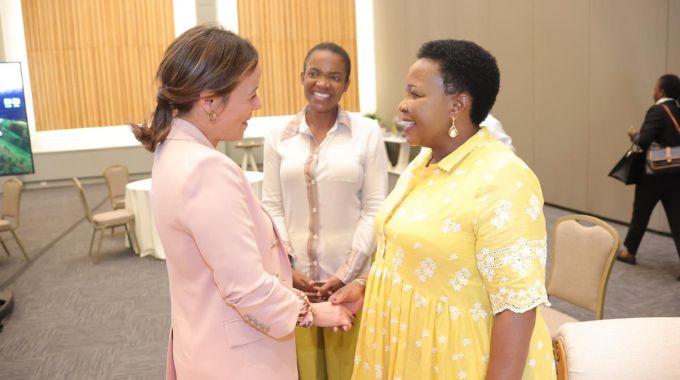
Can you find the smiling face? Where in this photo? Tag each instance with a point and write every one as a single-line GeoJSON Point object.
{"type": "Point", "coordinates": [426, 108]}
{"type": "Point", "coordinates": [233, 111]}
{"type": "Point", "coordinates": [324, 80]}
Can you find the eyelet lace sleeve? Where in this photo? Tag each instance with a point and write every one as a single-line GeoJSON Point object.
{"type": "Point", "coordinates": [511, 240]}
{"type": "Point", "coordinates": [508, 272]}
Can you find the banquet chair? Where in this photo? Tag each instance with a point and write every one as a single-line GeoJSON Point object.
{"type": "Point", "coordinates": [103, 220]}
{"type": "Point", "coordinates": [11, 200]}
{"type": "Point", "coordinates": [116, 177]}
{"type": "Point", "coordinates": [621, 349]}
{"type": "Point", "coordinates": [582, 258]}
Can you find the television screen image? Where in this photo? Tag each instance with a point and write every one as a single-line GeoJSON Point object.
{"type": "Point", "coordinates": [15, 143]}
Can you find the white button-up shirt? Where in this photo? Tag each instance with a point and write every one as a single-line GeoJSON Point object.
{"type": "Point", "coordinates": [323, 197]}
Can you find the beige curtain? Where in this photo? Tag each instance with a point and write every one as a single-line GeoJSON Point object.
{"type": "Point", "coordinates": [92, 62]}
{"type": "Point", "coordinates": [283, 31]}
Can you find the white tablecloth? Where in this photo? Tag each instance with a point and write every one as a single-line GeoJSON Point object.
{"type": "Point", "coordinates": [137, 199]}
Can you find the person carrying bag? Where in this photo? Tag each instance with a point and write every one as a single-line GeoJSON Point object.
{"type": "Point", "coordinates": [660, 159]}
{"type": "Point", "coordinates": [659, 142]}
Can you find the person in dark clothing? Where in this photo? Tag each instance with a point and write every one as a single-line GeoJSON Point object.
{"type": "Point", "coordinates": [658, 127]}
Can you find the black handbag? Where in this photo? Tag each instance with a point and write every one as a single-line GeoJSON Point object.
{"type": "Point", "coordinates": [630, 167]}
{"type": "Point", "coordinates": [664, 159]}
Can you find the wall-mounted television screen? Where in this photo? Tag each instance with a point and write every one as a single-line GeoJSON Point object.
{"type": "Point", "coordinates": [16, 156]}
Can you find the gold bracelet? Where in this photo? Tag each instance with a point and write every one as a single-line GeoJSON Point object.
{"type": "Point", "coordinates": [361, 281]}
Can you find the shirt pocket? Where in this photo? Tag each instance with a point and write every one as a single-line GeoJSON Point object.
{"type": "Point", "coordinates": [239, 333]}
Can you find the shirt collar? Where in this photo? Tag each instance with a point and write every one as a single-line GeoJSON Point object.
{"type": "Point", "coordinates": [299, 123]}
{"type": "Point", "coordinates": [664, 100]}
{"type": "Point", "coordinates": [449, 162]}
{"type": "Point", "coordinates": [184, 130]}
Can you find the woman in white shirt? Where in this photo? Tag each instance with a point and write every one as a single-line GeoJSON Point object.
{"type": "Point", "coordinates": [325, 176]}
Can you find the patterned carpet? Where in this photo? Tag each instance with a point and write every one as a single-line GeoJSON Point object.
{"type": "Point", "coordinates": [108, 317]}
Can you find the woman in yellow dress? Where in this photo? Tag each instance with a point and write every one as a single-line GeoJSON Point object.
{"type": "Point", "coordinates": [460, 264]}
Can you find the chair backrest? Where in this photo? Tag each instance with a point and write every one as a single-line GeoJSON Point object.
{"type": "Point", "coordinates": [116, 177]}
{"type": "Point", "coordinates": [11, 199]}
{"type": "Point", "coordinates": [83, 199]}
{"type": "Point", "coordinates": [621, 349]}
{"type": "Point", "coordinates": [582, 259]}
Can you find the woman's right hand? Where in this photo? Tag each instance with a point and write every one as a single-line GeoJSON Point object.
{"type": "Point", "coordinates": [350, 295]}
{"type": "Point", "coordinates": [328, 315]}
{"type": "Point", "coordinates": [304, 283]}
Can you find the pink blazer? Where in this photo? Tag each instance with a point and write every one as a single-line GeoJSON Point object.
{"type": "Point", "coordinates": [232, 308]}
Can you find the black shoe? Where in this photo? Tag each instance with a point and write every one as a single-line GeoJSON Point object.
{"type": "Point", "coordinates": [627, 259]}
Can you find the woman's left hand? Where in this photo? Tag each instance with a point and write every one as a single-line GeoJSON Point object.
{"type": "Point", "coordinates": [330, 287]}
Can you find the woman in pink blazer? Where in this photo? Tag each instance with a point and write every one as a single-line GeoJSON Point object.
{"type": "Point", "coordinates": [233, 310]}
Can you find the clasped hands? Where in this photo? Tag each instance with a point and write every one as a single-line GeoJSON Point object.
{"type": "Point", "coordinates": [345, 300]}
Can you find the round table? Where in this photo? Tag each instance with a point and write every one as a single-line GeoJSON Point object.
{"type": "Point", "coordinates": [138, 200]}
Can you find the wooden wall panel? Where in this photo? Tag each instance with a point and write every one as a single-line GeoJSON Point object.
{"type": "Point", "coordinates": [283, 31]}
{"type": "Point", "coordinates": [511, 25]}
{"type": "Point", "coordinates": [574, 76]}
{"type": "Point", "coordinates": [673, 37]}
{"type": "Point", "coordinates": [397, 45]}
{"type": "Point", "coordinates": [395, 48]}
{"type": "Point", "coordinates": [561, 101]}
{"type": "Point", "coordinates": [627, 55]}
{"type": "Point", "coordinates": [92, 62]}
{"type": "Point", "coordinates": [472, 21]}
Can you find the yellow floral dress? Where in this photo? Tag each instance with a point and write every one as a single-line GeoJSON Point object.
{"type": "Point", "coordinates": [458, 242]}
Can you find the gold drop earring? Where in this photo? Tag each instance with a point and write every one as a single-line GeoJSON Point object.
{"type": "Point", "coordinates": [453, 131]}
{"type": "Point", "coordinates": [212, 116]}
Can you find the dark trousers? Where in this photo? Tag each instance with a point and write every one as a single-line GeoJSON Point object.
{"type": "Point", "coordinates": [648, 192]}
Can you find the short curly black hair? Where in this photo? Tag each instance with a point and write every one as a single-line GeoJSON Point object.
{"type": "Point", "coordinates": [333, 48]}
{"type": "Point", "coordinates": [466, 66]}
{"type": "Point", "coordinates": [670, 84]}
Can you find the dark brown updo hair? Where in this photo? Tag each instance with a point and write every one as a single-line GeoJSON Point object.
{"type": "Point", "coordinates": [205, 57]}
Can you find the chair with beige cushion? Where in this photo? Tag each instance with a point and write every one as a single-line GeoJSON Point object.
{"type": "Point", "coordinates": [116, 177]}
{"type": "Point", "coordinates": [621, 349]}
{"type": "Point", "coordinates": [11, 202]}
{"type": "Point", "coordinates": [108, 219]}
{"type": "Point", "coordinates": [583, 252]}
